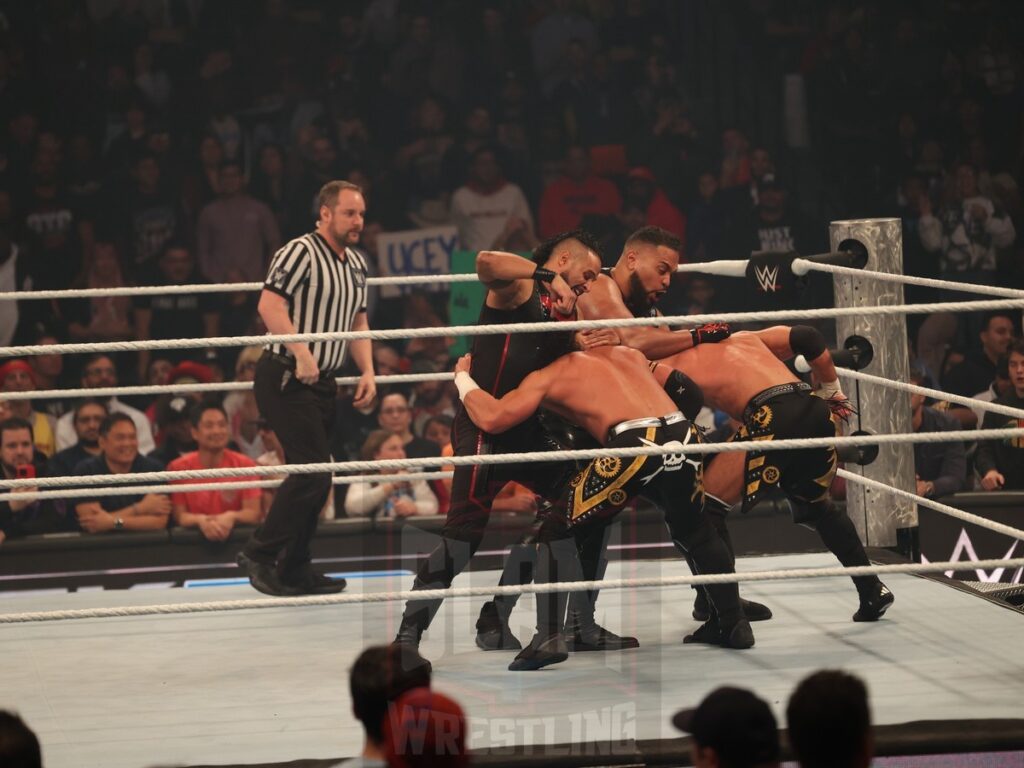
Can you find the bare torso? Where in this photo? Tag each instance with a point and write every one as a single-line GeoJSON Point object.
{"type": "Point", "coordinates": [603, 387]}
{"type": "Point", "coordinates": [732, 371]}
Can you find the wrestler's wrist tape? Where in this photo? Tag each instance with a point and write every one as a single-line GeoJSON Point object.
{"type": "Point", "coordinates": [465, 384]}
{"type": "Point", "coordinates": [830, 389]}
{"type": "Point", "coordinates": [542, 275]}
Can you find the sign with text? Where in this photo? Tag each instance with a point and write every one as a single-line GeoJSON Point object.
{"type": "Point", "coordinates": [416, 252]}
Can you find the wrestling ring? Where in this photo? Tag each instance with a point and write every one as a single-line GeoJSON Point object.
{"type": "Point", "coordinates": [216, 676]}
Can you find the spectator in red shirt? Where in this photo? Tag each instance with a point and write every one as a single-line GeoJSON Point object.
{"type": "Point", "coordinates": [576, 193]}
{"type": "Point", "coordinates": [214, 512]}
{"type": "Point", "coordinates": [642, 190]}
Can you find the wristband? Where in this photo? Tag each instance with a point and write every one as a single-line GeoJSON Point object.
{"type": "Point", "coordinates": [465, 384]}
{"type": "Point", "coordinates": [542, 275]}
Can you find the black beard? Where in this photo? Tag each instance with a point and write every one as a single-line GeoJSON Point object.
{"type": "Point", "coordinates": [637, 301]}
{"type": "Point", "coordinates": [89, 443]}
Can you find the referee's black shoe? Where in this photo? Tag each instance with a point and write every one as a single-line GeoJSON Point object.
{"type": "Point", "coordinates": [308, 581]}
{"type": "Point", "coordinates": [264, 577]}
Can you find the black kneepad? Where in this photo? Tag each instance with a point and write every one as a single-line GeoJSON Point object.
{"type": "Point", "coordinates": [685, 393]}
{"type": "Point", "coordinates": [807, 341]}
{"type": "Point", "coordinates": [807, 513]}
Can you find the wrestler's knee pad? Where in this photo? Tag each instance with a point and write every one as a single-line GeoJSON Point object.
{"type": "Point", "coordinates": [810, 513]}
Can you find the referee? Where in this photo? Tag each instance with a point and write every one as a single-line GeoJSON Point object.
{"type": "Point", "coordinates": [315, 284]}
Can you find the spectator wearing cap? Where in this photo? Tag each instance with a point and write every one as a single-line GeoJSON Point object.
{"type": "Point", "coordinates": [119, 454]}
{"type": "Point", "coordinates": [574, 194]}
{"type": "Point", "coordinates": [425, 729]}
{"type": "Point", "coordinates": [642, 190]}
{"type": "Point", "coordinates": [174, 428]}
{"type": "Point", "coordinates": [731, 728]}
{"type": "Point", "coordinates": [380, 675]}
{"type": "Point", "coordinates": [185, 372]}
{"type": "Point", "coordinates": [215, 512]}
{"type": "Point", "coordinates": [18, 376]}
{"type": "Point", "coordinates": [772, 226]}
{"type": "Point", "coordinates": [176, 315]}
{"type": "Point", "coordinates": [99, 372]}
{"type": "Point", "coordinates": [830, 721]}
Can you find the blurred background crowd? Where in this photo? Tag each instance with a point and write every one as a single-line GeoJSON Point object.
{"type": "Point", "coordinates": [167, 142]}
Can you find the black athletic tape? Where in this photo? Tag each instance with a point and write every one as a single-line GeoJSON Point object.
{"type": "Point", "coordinates": [542, 275]}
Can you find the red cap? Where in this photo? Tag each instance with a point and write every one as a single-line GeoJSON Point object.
{"type": "Point", "coordinates": [16, 365]}
{"type": "Point", "coordinates": [424, 729]}
{"type": "Point", "coordinates": [201, 373]}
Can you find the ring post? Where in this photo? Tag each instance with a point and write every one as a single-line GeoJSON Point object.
{"type": "Point", "coordinates": [882, 519]}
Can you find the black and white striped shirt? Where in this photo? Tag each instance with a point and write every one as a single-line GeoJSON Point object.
{"type": "Point", "coordinates": [324, 293]}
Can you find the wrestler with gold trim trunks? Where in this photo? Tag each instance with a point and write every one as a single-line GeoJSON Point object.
{"type": "Point", "coordinates": [744, 376]}
{"type": "Point", "coordinates": [611, 393]}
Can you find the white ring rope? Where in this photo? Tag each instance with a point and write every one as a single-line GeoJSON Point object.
{"type": "Point", "coordinates": [967, 517]}
{"type": "Point", "coordinates": [938, 394]}
{"type": "Point", "coordinates": [803, 266]}
{"type": "Point", "coordinates": [224, 386]}
{"type": "Point", "coordinates": [85, 481]}
{"type": "Point", "coordinates": [161, 290]}
{"type": "Point", "coordinates": [503, 328]}
{"type": "Point", "coordinates": [457, 592]}
{"type": "Point", "coordinates": [131, 490]}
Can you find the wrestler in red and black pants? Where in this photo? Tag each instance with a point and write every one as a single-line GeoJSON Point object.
{"type": "Point", "coordinates": [473, 490]}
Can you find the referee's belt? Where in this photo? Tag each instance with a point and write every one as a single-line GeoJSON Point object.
{"type": "Point", "coordinates": [289, 363]}
{"type": "Point", "coordinates": [654, 421]}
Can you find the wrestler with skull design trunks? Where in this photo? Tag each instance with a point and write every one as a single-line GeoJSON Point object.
{"type": "Point", "coordinates": [611, 393]}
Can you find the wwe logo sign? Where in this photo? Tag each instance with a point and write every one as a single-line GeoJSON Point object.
{"type": "Point", "coordinates": [767, 278]}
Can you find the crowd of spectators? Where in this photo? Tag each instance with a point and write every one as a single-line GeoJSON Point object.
{"type": "Point", "coordinates": [406, 723]}
{"type": "Point", "coordinates": [153, 143]}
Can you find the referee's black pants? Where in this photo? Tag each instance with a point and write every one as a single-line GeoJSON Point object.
{"type": "Point", "coordinates": [301, 415]}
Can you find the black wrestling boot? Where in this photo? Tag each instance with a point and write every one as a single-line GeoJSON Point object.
{"type": "Point", "coordinates": [716, 510]}
{"type": "Point", "coordinates": [541, 652]}
{"type": "Point", "coordinates": [738, 636]}
{"type": "Point", "coordinates": [264, 577]}
{"type": "Point", "coordinates": [557, 560]}
{"type": "Point", "coordinates": [309, 581]}
{"type": "Point", "coordinates": [492, 630]}
{"type": "Point", "coordinates": [839, 534]}
{"type": "Point", "coordinates": [753, 611]}
{"type": "Point", "coordinates": [582, 632]}
{"type": "Point", "coordinates": [874, 603]}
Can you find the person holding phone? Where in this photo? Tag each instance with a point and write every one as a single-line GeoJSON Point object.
{"type": "Point", "coordinates": [18, 517]}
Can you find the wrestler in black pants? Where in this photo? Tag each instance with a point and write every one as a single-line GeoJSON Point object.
{"type": "Point", "coordinates": [301, 416]}
{"type": "Point", "coordinates": [473, 490]}
{"type": "Point", "coordinates": [593, 499]}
